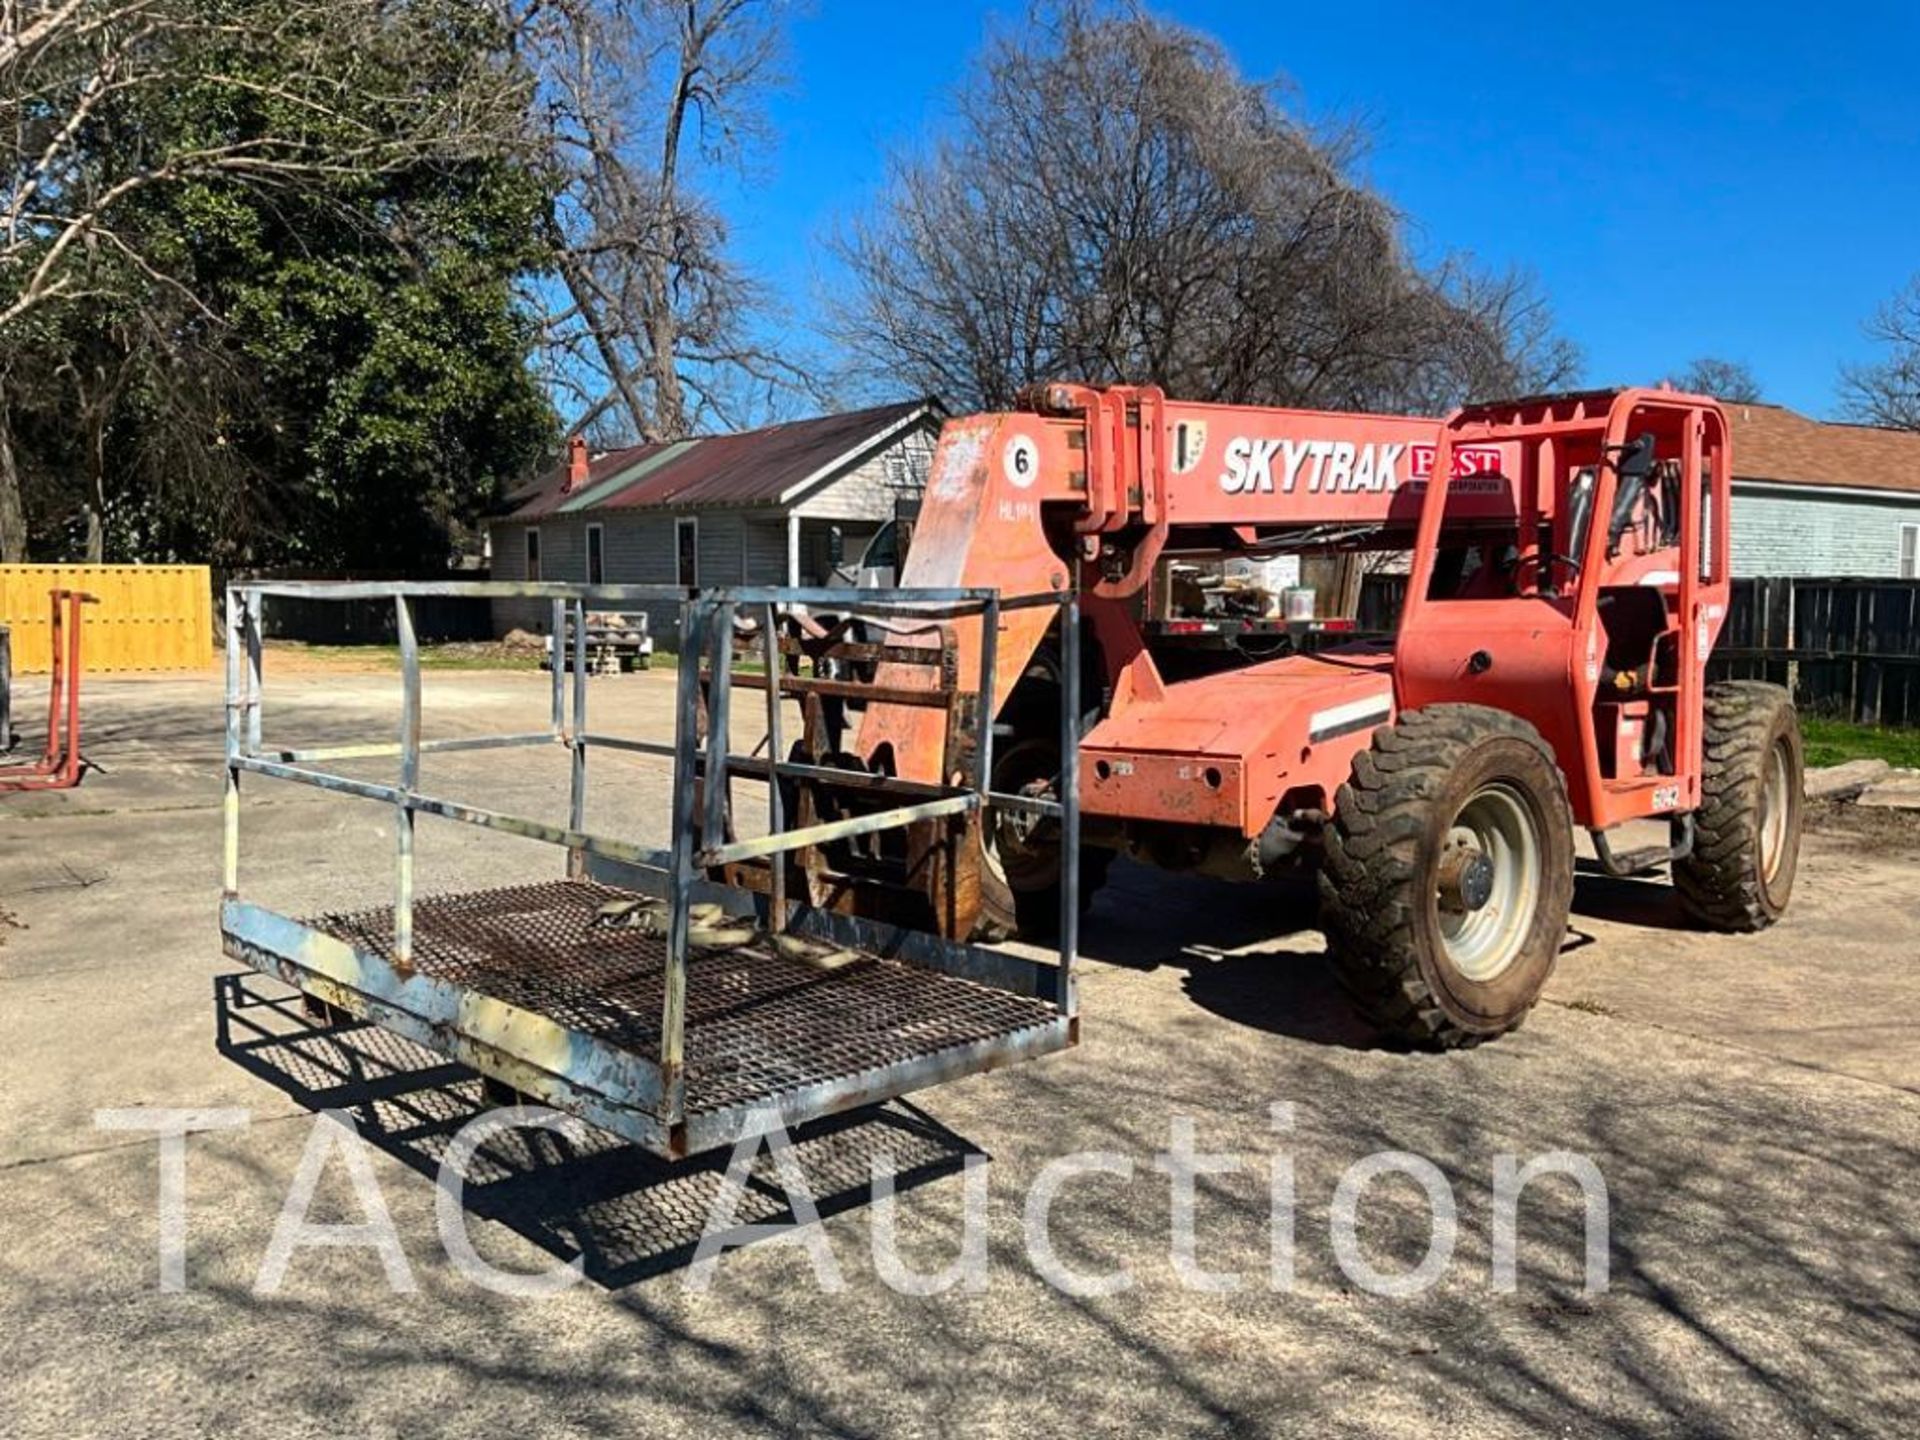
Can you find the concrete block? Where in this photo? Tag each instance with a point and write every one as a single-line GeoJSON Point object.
{"type": "Point", "coordinates": [1899, 791]}
{"type": "Point", "coordinates": [1845, 782]}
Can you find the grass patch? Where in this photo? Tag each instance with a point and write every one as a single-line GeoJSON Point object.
{"type": "Point", "coordinates": [454, 655]}
{"type": "Point", "coordinates": [1833, 742]}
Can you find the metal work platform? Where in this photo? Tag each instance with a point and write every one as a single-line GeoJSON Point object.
{"type": "Point", "coordinates": [676, 1042]}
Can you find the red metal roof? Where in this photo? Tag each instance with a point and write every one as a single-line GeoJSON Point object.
{"type": "Point", "coordinates": [755, 467]}
{"type": "Point", "coordinates": [545, 493]}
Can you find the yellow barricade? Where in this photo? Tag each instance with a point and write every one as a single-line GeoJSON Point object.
{"type": "Point", "coordinates": [150, 617]}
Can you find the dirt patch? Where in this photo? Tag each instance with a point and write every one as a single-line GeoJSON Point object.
{"type": "Point", "coordinates": [7, 922]}
{"type": "Point", "coordinates": [508, 654]}
{"type": "Point", "coordinates": [1866, 827]}
{"type": "Point", "coordinates": [292, 658]}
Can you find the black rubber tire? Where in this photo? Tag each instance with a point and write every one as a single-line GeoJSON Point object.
{"type": "Point", "coordinates": [1379, 904]}
{"type": "Point", "coordinates": [1724, 883]}
{"type": "Point", "coordinates": [1031, 911]}
{"type": "Point", "coordinates": [1008, 914]}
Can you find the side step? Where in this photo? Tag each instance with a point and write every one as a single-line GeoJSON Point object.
{"type": "Point", "coordinates": [1638, 862]}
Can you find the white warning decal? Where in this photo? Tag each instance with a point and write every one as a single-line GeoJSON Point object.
{"type": "Point", "coordinates": [1021, 460]}
{"type": "Point", "coordinates": [1347, 718]}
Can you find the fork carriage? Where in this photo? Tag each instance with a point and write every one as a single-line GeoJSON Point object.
{"type": "Point", "coordinates": [677, 1047]}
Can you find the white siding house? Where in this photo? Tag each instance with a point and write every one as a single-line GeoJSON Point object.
{"type": "Point", "coordinates": [1820, 499]}
{"type": "Point", "coordinates": [752, 508]}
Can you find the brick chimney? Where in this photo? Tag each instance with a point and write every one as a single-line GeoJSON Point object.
{"type": "Point", "coordinates": [576, 464]}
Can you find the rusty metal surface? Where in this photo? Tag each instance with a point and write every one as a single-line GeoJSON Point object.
{"type": "Point", "coordinates": [61, 764]}
{"type": "Point", "coordinates": [758, 1025]}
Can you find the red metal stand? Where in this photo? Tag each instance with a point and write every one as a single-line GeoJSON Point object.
{"type": "Point", "coordinates": [59, 765]}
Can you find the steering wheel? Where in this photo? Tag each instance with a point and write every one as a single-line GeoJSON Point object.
{"type": "Point", "coordinates": [1544, 560]}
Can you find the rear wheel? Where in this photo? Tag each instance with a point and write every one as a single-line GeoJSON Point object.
{"type": "Point", "coordinates": [1746, 846]}
{"type": "Point", "coordinates": [1448, 874]}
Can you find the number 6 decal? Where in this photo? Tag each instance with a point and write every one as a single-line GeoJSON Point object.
{"type": "Point", "coordinates": [1021, 460]}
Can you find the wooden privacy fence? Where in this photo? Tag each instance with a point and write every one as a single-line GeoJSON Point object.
{"type": "Point", "coordinates": [1848, 648]}
{"type": "Point", "coordinates": [150, 617]}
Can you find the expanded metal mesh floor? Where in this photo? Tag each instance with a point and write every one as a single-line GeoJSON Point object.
{"type": "Point", "coordinates": [758, 1024]}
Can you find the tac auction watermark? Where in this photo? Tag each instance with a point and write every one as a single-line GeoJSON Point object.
{"type": "Point", "coordinates": [335, 1143]}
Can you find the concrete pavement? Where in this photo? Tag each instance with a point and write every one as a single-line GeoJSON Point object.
{"type": "Point", "coordinates": [1753, 1104]}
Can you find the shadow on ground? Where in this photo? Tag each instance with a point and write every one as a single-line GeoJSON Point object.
{"type": "Point", "coordinates": [625, 1214]}
{"type": "Point", "coordinates": [1292, 991]}
{"type": "Point", "coordinates": [1282, 991]}
{"type": "Point", "coordinates": [1647, 901]}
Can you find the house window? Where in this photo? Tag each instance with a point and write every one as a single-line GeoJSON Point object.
{"type": "Point", "coordinates": [1910, 552]}
{"type": "Point", "coordinates": [686, 545]}
{"type": "Point", "coordinates": [596, 555]}
{"type": "Point", "coordinates": [533, 553]}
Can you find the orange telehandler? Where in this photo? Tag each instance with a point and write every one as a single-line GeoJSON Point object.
{"type": "Point", "coordinates": [1566, 564]}
{"type": "Point", "coordinates": [1021, 719]}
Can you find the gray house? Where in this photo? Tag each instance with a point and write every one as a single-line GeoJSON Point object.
{"type": "Point", "coordinates": [1820, 499]}
{"type": "Point", "coordinates": [753, 508]}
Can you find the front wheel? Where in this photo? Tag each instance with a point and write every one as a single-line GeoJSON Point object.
{"type": "Point", "coordinates": [1746, 844]}
{"type": "Point", "coordinates": [1448, 874]}
{"type": "Point", "coordinates": [1020, 853]}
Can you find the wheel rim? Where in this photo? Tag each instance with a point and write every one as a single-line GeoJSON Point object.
{"type": "Point", "coordinates": [1498, 824]}
{"type": "Point", "coordinates": [1022, 861]}
{"type": "Point", "coordinates": [1776, 811]}
{"type": "Point", "coordinates": [1023, 851]}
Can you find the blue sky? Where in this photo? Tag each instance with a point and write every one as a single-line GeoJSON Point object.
{"type": "Point", "coordinates": [1741, 181]}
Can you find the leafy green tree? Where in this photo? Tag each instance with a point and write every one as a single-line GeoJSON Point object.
{"type": "Point", "coordinates": [260, 305]}
{"type": "Point", "coordinates": [384, 337]}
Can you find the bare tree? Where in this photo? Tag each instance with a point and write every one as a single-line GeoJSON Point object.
{"type": "Point", "coordinates": [1888, 392]}
{"type": "Point", "coordinates": [1732, 381]}
{"type": "Point", "coordinates": [651, 329]}
{"type": "Point", "coordinates": [1115, 202]}
{"type": "Point", "coordinates": [97, 377]}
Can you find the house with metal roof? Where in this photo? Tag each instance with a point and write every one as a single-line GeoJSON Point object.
{"type": "Point", "coordinates": [1816, 498]}
{"type": "Point", "coordinates": [759, 507]}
